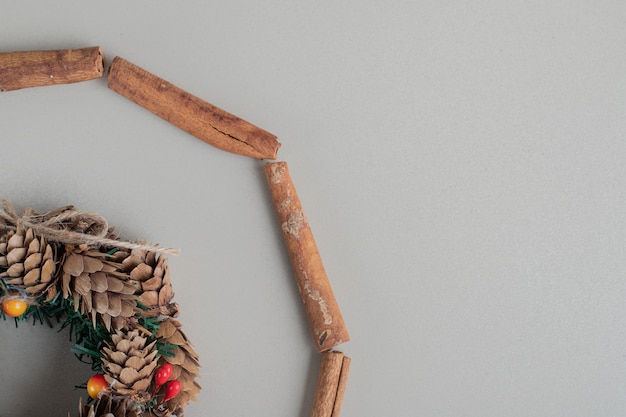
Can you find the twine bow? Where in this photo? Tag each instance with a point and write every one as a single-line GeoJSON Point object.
{"type": "Point", "coordinates": [71, 226]}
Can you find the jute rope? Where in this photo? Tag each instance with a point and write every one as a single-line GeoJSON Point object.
{"type": "Point", "coordinates": [69, 225]}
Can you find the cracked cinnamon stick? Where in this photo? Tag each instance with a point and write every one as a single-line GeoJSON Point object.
{"type": "Point", "coordinates": [190, 113]}
{"type": "Point", "coordinates": [322, 311]}
{"type": "Point", "coordinates": [40, 68]}
{"type": "Point", "coordinates": [331, 385]}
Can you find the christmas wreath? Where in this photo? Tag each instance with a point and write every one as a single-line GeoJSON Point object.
{"type": "Point", "coordinates": [68, 268]}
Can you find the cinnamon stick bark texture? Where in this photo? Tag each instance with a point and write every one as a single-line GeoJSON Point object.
{"type": "Point", "coordinates": [331, 385]}
{"type": "Point", "coordinates": [341, 386]}
{"type": "Point", "coordinates": [322, 311]}
{"type": "Point", "coordinates": [192, 114]}
{"type": "Point", "coordinates": [40, 68]}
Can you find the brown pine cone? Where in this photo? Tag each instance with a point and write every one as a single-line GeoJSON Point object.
{"type": "Point", "coordinates": [185, 363]}
{"type": "Point", "coordinates": [107, 407]}
{"type": "Point", "coordinates": [97, 286]}
{"type": "Point", "coordinates": [128, 364]}
{"type": "Point", "coordinates": [28, 261]}
{"type": "Point", "coordinates": [150, 274]}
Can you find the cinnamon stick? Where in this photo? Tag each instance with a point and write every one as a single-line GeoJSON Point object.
{"type": "Point", "coordinates": [192, 114]}
{"type": "Point", "coordinates": [40, 68]}
{"type": "Point", "coordinates": [341, 386]}
{"type": "Point", "coordinates": [322, 311]}
{"type": "Point", "coordinates": [331, 385]}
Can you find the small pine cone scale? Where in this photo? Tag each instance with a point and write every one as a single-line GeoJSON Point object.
{"type": "Point", "coordinates": [128, 364]}
{"type": "Point", "coordinates": [29, 262]}
{"type": "Point", "coordinates": [97, 286]}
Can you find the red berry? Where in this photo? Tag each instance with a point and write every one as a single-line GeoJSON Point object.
{"type": "Point", "coordinates": [171, 390]}
{"type": "Point", "coordinates": [162, 374]}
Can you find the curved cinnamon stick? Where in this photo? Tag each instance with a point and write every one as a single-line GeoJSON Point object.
{"type": "Point", "coordinates": [192, 114]}
{"type": "Point", "coordinates": [325, 319]}
{"type": "Point", "coordinates": [40, 68]}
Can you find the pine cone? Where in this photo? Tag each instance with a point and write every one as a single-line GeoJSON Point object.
{"type": "Point", "coordinates": [151, 276]}
{"type": "Point", "coordinates": [107, 407]}
{"type": "Point", "coordinates": [185, 363]}
{"type": "Point", "coordinates": [97, 286]}
{"type": "Point", "coordinates": [28, 261]}
{"type": "Point", "coordinates": [128, 364]}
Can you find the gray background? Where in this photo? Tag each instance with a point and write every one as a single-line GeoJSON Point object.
{"type": "Point", "coordinates": [461, 165]}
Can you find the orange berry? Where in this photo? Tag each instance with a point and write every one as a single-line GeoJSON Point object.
{"type": "Point", "coordinates": [96, 385]}
{"type": "Point", "coordinates": [14, 307]}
